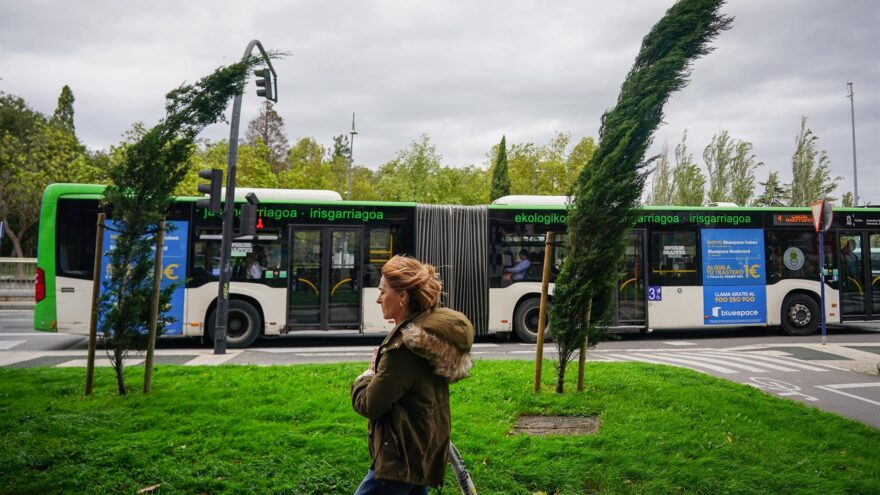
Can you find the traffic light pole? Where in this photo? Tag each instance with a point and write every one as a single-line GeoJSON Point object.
{"type": "Point", "coordinates": [222, 311]}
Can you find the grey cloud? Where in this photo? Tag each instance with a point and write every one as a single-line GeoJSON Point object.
{"type": "Point", "coordinates": [464, 73]}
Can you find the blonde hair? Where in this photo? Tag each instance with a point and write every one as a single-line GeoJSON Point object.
{"type": "Point", "coordinates": [419, 280]}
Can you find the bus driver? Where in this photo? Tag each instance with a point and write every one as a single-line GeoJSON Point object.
{"type": "Point", "coordinates": [518, 271]}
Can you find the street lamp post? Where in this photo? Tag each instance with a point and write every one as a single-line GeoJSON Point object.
{"type": "Point", "coordinates": [222, 310]}
{"type": "Point", "coordinates": [852, 113]}
{"type": "Point", "coordinates": [353, 133]}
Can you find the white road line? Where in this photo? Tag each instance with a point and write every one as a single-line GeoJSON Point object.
{"type": "Point", "coordinates": [724, 362]}
{"type": "Point", "coordinates": [9, 344]}
{"type": "Point", "coordinates": [211, 359]}
{"type": "Point", "coordinates": [793, 362]}
{"type": "Point", "coordinates": [37, 334]}
{"type": "Point", "coordinates": [869, 401]}
{"type": "Point", "coordinates": [652, 349]}
{"type": "Point", "coordinates": [690, 364]}
{"type": "Point", "coordinates": [730, 356]}
{"type": "Point", "coordinates": [679, 342]}
{"type": "Point", "coordinates": [331, 354]}
{"type": "Point", "coordinates": [853, 385]}
{"type": "Point", "coordinates": [288, 350]}
{"type": "Point", "coordinates": [485, 345]}
{"type": "Point", "coordinates": [99, 362]}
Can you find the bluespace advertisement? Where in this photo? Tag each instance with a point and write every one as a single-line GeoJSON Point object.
{"type": "Point", "coordinates": [173, 267]}
{"type": "Point", "coordinates": [734, 275]}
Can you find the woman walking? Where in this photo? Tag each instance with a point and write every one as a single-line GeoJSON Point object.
{"type": "Point", "coordinates": [405, 391]}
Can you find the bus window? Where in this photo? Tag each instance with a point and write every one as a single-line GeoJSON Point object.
{"type": "Point", "coordinates": [383, 245]}
{"type": "Point", "coordinates": [262, 260]}
{"type": "Point", "coordinates": [516, 249]}
{"type": "Point", "coordinates": [795, 255]}
{"type": "Point", "coordinates": [76, 228]}
{"type": "Point", "coordinates": [674, 258]}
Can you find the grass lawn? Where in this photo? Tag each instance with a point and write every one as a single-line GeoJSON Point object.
{"type": "Point", "coordinates": [232, 429]}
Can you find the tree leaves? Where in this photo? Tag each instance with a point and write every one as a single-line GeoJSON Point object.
{"type": "Point", "coordinates": [607, 192]}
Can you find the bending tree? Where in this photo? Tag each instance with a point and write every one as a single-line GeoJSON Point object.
{"type": "Point", "coordinates": [606, 195]}
{"type": "Point", "coordinates": [139, 195]}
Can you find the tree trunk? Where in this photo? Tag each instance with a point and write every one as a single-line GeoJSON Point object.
{"type": "Point", "coordinates": [118, 365]}
{"type": "Point", "coordinates": [560, 377]}
{"type": "Point", "coordinates": [16, 242]}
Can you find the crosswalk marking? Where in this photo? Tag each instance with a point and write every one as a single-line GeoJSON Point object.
{"type": "Point", "coordinates": [689, 363]}
{"type": "Point", "coordinates": [717, 361]}
{"type": "Point", "coordinates": [784, 361]}
{"type": "Point", "coordinates": [731, 357]}
{"type": "Point", "coordinates": [723, 362]}
{"type": "Point", "coordinates": [679, 342]}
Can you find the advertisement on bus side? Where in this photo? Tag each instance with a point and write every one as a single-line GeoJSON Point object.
{"type": "Point", "coordinates": [734, 276]}
{"type": "Point", "coordinates": [173, 267]}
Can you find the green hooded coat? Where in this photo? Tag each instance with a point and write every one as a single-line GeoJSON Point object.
{"type": "Point", "coordinates": [407, 400]}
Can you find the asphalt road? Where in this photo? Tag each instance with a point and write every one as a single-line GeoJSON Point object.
{"type": "Point", "coordinates": [840, 376]}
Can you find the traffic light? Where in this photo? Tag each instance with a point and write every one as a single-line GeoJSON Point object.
{"type": "Point", "coordinates": [264, 83]}
{"type": "Point", "coordinates": [248, 224]}
{"type": "Point", "coordinates": [212, 189]}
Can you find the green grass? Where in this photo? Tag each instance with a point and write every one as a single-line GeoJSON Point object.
{"type": "Point", "coordinates": [291, 429]}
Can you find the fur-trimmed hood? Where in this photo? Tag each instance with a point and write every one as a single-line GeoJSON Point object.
{"type": "Point", "coordinates": [444, 337]}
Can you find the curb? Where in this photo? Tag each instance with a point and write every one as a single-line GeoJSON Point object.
{"type": "Point", "coordinates": [16, 306]}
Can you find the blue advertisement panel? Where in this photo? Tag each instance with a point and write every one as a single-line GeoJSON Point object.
{"type": "Point", "coordinates": [734, 304]}
{"type": "Point", "coordinates": [734, 276]}
{"type": "Point", "coordinates": [733, 257]}
{"type": "Point", "coordinates": [173, 267]}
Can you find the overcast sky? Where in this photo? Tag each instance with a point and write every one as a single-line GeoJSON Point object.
{"type": "Point", "coordinates": [462, 72]}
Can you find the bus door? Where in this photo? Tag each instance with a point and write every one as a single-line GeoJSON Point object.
{"type": "Point", "coordinates": [629, 298]}
{"type": "Point", "coordinates": [324, 289]}
{"type": "Point", "coordinates": [859, 271]}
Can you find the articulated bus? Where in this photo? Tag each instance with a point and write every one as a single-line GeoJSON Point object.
{"type": "Point", "coordinates": [315, 264]}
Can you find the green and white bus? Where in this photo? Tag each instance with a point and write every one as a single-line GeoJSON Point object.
{"type": "Point", "coordinates": [318, 258]}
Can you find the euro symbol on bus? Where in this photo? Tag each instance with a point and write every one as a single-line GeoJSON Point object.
{"type": "Point", "coordinates": [169, 271]}
{"type": "Point", "coordinates": [752, 270]}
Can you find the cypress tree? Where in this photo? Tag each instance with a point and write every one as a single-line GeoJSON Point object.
{"type": "Point", "coordinates": [141, 188]}
{"type": "Point", "coordinates": [63, 116]}
{"type": "Point", "coordinates": [606, 194]}
{"type": "Point", "coordinates": [500, 178]}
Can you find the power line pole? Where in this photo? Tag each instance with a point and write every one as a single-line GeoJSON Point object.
{"type": "Point", "coordinates": [353, 133]}
{"type": "Point", "coordinates": [852, 113]}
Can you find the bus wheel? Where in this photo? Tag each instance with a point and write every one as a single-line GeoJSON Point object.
{"type": "Point", "coordinates": [243, 327]}
{"type": "Point", "coordinates": [800, 315]}
{"type": "Point", "coordinates": [525, 321]}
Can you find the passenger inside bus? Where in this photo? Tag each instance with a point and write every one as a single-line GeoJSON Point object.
{"type": "Point", "coordinates": [517, 272]}
{"type": "Point", "coordinates": [255, 262]}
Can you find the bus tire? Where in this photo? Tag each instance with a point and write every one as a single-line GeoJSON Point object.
{"type": "Point", "coordinates": [243, 327]}
{"type": "Point", "coordinates": [525, 321]}
{"type": "Point", "coordinates": [800, 315]}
